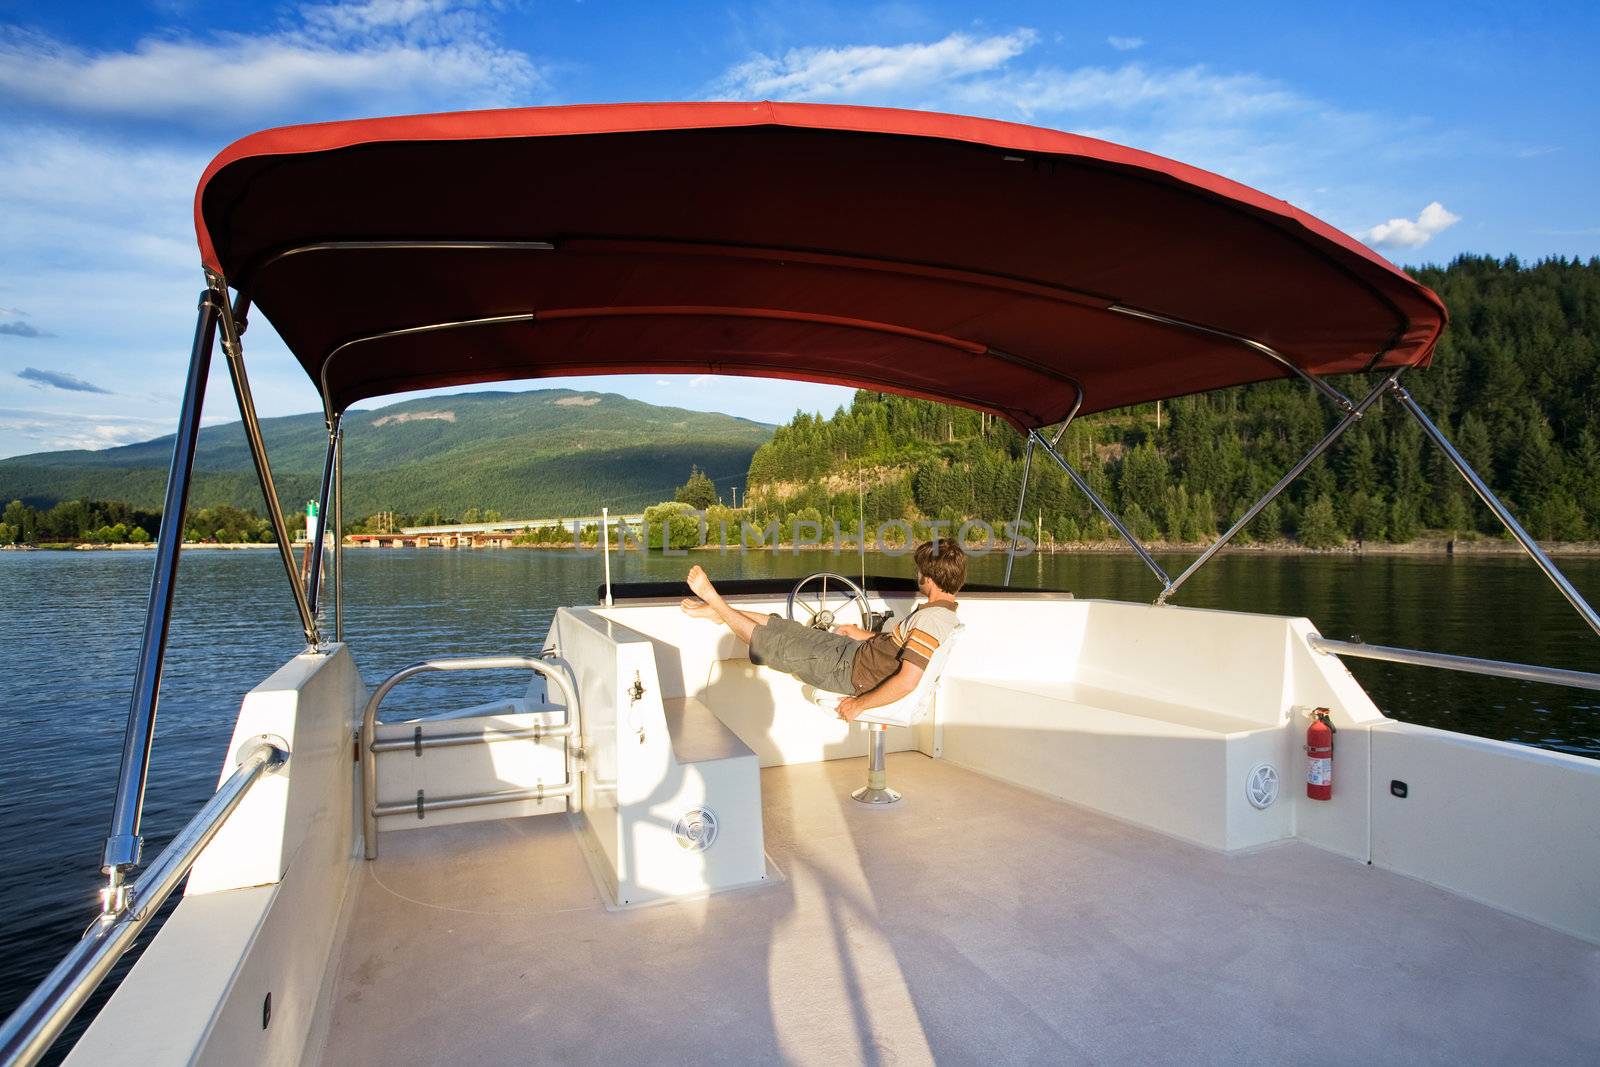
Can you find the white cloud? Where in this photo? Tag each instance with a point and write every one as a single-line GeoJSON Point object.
{"type": "Point", "coordinates": [1197, 92]}
{"type": "Point", "coordinates": [102, 210]}
{"type": "Point", "coordinates": [870, 70]}
{"type": "Point", "coordinates": [1257, 130]}
{"type": "Point", "coordinates": [51, 430]}
{"type": "Point", "coordinates": [339, 59]}
{"type": "Point", "coordinates": [1412, 233]}
{"type": "Point", "coordinates": [1125, 44]}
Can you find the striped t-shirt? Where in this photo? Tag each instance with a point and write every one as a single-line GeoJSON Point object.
{"type": "Point", "coordinates": [914, 639]}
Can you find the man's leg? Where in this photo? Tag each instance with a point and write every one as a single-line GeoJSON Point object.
{"type": "Point", "coordinates": [693, 605]}
{"type": "Point", "coordinates": [743, 623]}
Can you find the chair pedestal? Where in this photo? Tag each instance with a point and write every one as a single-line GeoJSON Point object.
{"type": "Point", "coordinates": [877, 790]}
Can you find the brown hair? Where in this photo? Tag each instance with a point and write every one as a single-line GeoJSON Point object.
{"type": "Point", "coordinates": [943, 563]}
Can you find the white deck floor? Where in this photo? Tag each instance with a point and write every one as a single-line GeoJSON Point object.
{"type": "Point", "coordinates": [973, 922]}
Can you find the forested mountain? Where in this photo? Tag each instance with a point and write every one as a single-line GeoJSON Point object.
{"type": "Point", "coordinates": [539, 453]}
{"type": "Point", "coordinates": [1515, 383]}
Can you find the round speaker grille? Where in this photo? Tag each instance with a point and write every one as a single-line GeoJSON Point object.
{"type": "Point", "coordinates": [696, 829]}
{"type": "Point", "coordinates": [1261, 785]}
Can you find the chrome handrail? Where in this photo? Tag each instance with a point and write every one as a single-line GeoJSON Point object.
{"type": "Point", "coordinates": [1494, 668]}
{"type": "Point", "coordinates": [39, 1020]}
{"type": "Point", "coordinates": [368, 744]}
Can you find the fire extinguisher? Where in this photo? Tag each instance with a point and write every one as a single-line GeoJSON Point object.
{"type": "Point", "coordinates": [1319, 755]}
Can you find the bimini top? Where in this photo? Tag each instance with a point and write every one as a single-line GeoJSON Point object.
{"type": "Point", "coordinates": [982, 263]}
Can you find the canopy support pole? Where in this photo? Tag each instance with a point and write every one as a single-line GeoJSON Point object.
{"type": "Point", "coordinates": [233, 325]}
{"type": "Point", "coordinates": [338, 538]}
{"type": "Point", "coordinates": [1027, 467]}
{"type": "Point", "coordinates": [1349, 420]}
{"type": "Point", "coordinates": [1100, 505]}
{"type": "Point", "coordinates": [1501, 512]}
{"type": "Point", "coordinates": [324, 502]}
{"type": "Point", "coordinates": [1022, 497]}
{"type": "Point", "coordinates": [124, 842]}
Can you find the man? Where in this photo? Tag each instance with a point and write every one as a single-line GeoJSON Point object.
{"type": "Point", "coordinates": [872, 669]}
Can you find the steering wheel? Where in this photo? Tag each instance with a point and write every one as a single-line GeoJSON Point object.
{"type": "Point", "coordinates": [821, 617]}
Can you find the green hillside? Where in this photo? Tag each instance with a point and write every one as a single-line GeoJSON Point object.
{"type": "Point", "coordinates": [1515, 383]}
{"type": "Point", "coordinates": [539, 453]}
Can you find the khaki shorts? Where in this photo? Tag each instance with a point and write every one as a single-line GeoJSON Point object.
{"type": "Point", "coordinates": [816, 657]}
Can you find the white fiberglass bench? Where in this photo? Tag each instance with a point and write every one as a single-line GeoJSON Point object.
{"type": "Point", "coordinates": [907, 711]}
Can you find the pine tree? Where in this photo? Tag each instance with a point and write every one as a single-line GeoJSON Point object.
{"type": "Point", "coordinates": [698, 492]}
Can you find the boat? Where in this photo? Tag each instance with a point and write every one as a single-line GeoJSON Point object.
{"type": "Point", "coordinates": [1084, 836]}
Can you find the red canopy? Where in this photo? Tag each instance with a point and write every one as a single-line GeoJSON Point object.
{"type": "Point", "coordinates": [981, 263]}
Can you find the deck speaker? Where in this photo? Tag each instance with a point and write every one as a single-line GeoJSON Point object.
{"type": "Point", "coordinates": [696, 829]}
{"type": "Point", "coordinates": [1261, 785]}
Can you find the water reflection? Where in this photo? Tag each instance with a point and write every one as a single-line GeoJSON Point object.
{"type": "Point", "coordinates": [71, 623]}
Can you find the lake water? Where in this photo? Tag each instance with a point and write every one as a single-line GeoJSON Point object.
{"type": "Point", "coordinates": [71, 622]}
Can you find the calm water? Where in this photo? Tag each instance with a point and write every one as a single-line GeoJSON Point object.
{"type": "Point", "coordinates": [71, 622]}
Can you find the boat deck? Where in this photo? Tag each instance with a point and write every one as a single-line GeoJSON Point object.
{"type": "Point", "coordinates": [972, 922]}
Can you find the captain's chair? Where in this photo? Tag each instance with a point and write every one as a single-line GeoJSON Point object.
{"type": "Point", "coordinates": [907, 711]}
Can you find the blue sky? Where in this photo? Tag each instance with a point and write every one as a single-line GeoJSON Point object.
{"type": "Point", "coordinates": [1425, 129]}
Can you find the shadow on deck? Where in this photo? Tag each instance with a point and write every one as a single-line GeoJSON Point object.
{"type": "Point", "coordinates": [972, 922]}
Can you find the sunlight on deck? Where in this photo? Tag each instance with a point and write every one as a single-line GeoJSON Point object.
{"type": "Point", "coordinates": [973, 922]}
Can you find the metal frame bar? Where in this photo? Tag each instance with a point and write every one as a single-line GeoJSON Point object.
{"type": "Point", "coordinates": [1027, 469]}
{"type": "Point", "coordinates": [1501, 512]}
{"type": "Point", "coordinates": [1103, 508]}
{"type": "Point", "coordinates": [338, 538]}
{"type": "Point", "coordinates": [1342, 402]}
{"type": "Point", "coordinates": [368, 742]}
{"type": "Point", "coordinates": [745, 369]}
{"type": "Point", "coordinates": [123, 842]}
{"type": "Point", "coordinates": [254, 272]}
{"type": "Point", "coordinates": [1494, 668]}
{"type": "Point", "coordinates": [1294, 472]}
{"type": "Point", "coordinates": [406, 331]}
{"type": "Point", "coordinates": [233, 324]}
{"type": "Point", "coordinates": [475, 800]}
{"type": "Point", "coordinates": [1022, 497]}
{"type": "Point", "coordinates": [479, 737]}
{"type": "Point", "coordinates": [40, 1020]}
{"type": "Point", "coordinates": [324, 509]}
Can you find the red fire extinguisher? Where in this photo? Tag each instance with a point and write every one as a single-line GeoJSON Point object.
{"type": "Point", "coordinates": [1319, 755]}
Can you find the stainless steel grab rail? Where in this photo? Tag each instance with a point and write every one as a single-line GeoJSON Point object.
{"type": "Point", "coordinates": [1494, 668]}
{"type": "Point", "coordinates": [40, 1019]}
{"type": "Point", "coordinates": [369, 745]}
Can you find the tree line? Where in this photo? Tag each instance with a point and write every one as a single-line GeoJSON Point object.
{"type": "Point", "coordinates": [113, 522]}
{"type": "Point", "coordinates": [1515, 383]}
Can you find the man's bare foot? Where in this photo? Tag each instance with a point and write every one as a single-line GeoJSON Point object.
{"type": "Point", "coordinates": [698, 608]}
{"type": "Point", "coordinates": [700, 583]}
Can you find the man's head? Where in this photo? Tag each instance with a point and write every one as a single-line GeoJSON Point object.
{"type": "Point", "coordinates": [943, 563]}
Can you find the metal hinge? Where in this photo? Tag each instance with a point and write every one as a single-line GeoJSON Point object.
{"type": "Point", "coordinates": [416, 741]}
{"type": "Point", "coordinates": [355, 747]}
{"type": "Point", "coordinates": [419, 803]}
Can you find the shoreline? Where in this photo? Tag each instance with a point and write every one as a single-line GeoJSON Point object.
{"type": "Point", "coordinates": [87, 546]}
{"type": "Point", "coordinates": [1484, 546]}
{"type": "Point", "coordinates": [1422, 546]}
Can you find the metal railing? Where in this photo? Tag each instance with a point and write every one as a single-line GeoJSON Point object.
{"type": "Point", "coordinates": [1494, 668]}
{"type": "Point", "coordinates": [40, 1019]}
{"type": "Point", "coordinates": [369, 745]}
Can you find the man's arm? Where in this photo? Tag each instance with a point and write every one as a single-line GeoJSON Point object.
{"type": "Point", "coordinates": [852, 631]}
{"type": "Point", "coordinates": [897, 685]}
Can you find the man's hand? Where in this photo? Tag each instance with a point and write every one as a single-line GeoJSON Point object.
{"type": "Point", "coordinates": [850, 630]}
{"type": "Point", "coordinates": [899, 684]}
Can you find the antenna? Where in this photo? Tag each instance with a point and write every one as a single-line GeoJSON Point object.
{"type": "Point", "coordinates": [605, 538]}
{"type": "Point", "coordinates": [861, 539]}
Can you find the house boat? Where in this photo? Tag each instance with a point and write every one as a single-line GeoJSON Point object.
{"type": "Point", "coordinates": [1084, 838]}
